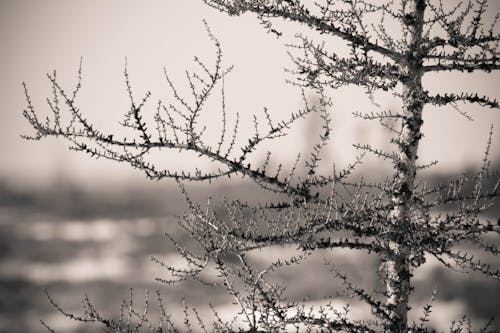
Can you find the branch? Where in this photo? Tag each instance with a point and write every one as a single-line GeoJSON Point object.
{"type": "Point", "coordinates": [180, 121]}
{"type": "Point", "coordinates": [296, 12]}
{"type": "Point", "coordinates": [319, 67]}
{"type": "Point", "coordinates": [446, 99]}
{"type": "Point", "coordinates": [331, 325]}
{"type": "Point", "coordinates": [486, 65]}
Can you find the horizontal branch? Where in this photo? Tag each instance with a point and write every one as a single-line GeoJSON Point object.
{"type": "Point", "coordinates": [298, 13]}
{"type": "Point", "coordinates": [486, 66]}
{"type": "Point", "coordinates": [459, 41]}
{"type": "Point", "coordinates": [327, 243]}
{"type": "Point", "coordinates": [445, 99]}
{"type": "Point", "coordinates": [233, 165]}
{"type": "Point", "coordinates": [331, 325]}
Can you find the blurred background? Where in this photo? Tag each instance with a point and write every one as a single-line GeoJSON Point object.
{"type": "Point", "coordinates": [79, 226]}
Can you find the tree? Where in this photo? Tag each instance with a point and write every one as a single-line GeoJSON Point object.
{"type": "Point", "coordinates": [394, 220]}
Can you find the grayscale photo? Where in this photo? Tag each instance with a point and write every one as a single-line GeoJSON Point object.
{"type": "Point", "coordinates": [250, 166]}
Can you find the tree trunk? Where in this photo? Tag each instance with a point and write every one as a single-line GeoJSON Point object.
{"type": "Point", "coordinates": [398, 287]}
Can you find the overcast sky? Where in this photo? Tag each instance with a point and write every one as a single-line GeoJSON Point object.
{"type": "Point", "coordinates": [39, 36]}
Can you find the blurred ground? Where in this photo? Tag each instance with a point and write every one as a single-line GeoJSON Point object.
{"type": "Point", "coordinates": [75, 242]}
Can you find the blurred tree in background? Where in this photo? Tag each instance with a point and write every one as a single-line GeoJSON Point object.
{"type": "Point", "coordinates": [391, 46]}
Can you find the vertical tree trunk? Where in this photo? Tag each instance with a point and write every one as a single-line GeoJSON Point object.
{"type": "Point", "coordinates": [398, 273]}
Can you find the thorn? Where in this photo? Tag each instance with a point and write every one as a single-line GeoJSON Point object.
{"type": "Point", "coordinates": [276, 32]}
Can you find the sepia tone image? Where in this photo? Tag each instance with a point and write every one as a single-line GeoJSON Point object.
{"type": "Point", "coordinates": [249, 166]}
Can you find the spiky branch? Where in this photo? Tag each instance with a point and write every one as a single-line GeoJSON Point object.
{"type": "Point", "coordinates": [398, 220]}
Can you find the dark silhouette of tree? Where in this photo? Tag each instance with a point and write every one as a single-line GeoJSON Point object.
{"type": "Point", "coordinates": [393, 45]}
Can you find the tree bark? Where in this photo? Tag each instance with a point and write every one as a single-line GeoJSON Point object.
{"type": "Point", "coordinates": [397, 265]}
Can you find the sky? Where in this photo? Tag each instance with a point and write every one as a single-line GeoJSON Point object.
{"type": "Point", "coordinates": [37, 37]}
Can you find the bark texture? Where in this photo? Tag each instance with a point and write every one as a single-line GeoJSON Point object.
{"type": "Point", "coordinates": [398, 264]}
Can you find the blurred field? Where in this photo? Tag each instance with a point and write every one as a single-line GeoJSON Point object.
{"type": "Point", "coordinates": [99, 243]}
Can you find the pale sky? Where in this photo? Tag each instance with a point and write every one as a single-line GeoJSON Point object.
{"type": "Point", "coordinates": [39, 36]}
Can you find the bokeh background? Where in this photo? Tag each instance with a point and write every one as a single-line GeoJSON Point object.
{"type": "Point", "coordinates": [77, 225]}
